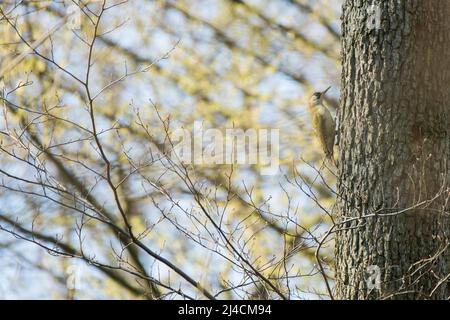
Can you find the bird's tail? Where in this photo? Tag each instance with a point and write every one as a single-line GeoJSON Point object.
{"type": "Point", "coordinates": [331, 159]}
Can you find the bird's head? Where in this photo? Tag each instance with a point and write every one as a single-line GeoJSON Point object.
{"type": "Point", "coordinates": [317, 97]}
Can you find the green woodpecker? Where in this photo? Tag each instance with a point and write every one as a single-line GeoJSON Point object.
{"type": "Point", "coordinates": [323, 123]}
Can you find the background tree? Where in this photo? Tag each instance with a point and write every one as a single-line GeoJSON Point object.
{"type": "Point", "coordinates": [85, 173]}
{"type": "Point", "coordinates": [394, 151]}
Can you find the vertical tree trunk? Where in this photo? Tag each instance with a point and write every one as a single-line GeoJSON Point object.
{"type": "Point", "coordinates": [394, 123]}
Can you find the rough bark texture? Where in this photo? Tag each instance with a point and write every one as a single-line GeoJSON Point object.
{"type": "Point", "coordinates": [394, 142]}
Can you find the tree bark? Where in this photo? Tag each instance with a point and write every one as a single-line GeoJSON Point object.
{"type": "Point", "coordinates": [394, 122]}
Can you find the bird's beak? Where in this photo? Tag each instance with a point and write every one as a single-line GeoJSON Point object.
{"type": "Point", "coordinates": [323, 93]}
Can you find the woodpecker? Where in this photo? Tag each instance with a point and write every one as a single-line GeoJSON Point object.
{"type": "Point", "coordinates": [323, 123]}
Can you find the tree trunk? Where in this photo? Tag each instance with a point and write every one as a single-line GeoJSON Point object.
{"type": "Point", "coordinates": [394, 141]}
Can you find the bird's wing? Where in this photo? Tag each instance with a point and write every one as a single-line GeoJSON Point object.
{"type": "Point", "coordinates": [323, 124]}
{"type": "Point", "coordinates": [320, 128]}
{"type": "Point", "coordinates": [331, 133]}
